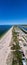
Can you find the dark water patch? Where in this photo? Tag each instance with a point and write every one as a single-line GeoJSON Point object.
{"type": "Point", "coordinates": [23, 28]}
{"type": "Point", "coordinates": [4, 29]}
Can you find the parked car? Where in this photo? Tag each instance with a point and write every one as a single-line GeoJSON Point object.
{"type": "Point", "coordinates": [24, 61]}
{"type": "Point", "coordinates": [23, 57]}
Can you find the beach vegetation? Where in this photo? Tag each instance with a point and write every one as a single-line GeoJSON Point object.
{"type": "Point", "coordinates": [17, 56]}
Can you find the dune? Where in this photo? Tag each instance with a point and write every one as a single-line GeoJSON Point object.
{"type": "Point", "coordinates": [4, 47]}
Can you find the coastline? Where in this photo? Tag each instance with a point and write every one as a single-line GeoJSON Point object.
{"type": "Point", "coordinates": [4, 29]}
{"type": "Point", "coordinates": [4, 46]}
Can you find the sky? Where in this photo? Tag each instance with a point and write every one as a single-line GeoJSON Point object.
{"type": "Point", "coordinates": [13, 11]}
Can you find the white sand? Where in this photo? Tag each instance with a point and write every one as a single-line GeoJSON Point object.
{"type": "Point", "coordinates": [4, 47]}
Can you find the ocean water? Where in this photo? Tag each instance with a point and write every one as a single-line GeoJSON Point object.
{"type": "Point", "coordinates": [4, 28]}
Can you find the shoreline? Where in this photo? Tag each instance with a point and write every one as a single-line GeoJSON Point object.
{"type": "Point", "coordinates": [5, 33]}
{"type": "Point", "coordinates": [5, 47]}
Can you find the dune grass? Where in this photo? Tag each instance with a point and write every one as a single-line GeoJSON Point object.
{"type": "Point", "coordinates": [17, 56]}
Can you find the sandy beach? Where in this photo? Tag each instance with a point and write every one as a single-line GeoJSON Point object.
{"type": "Point", "coordinates": [4, 47]}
